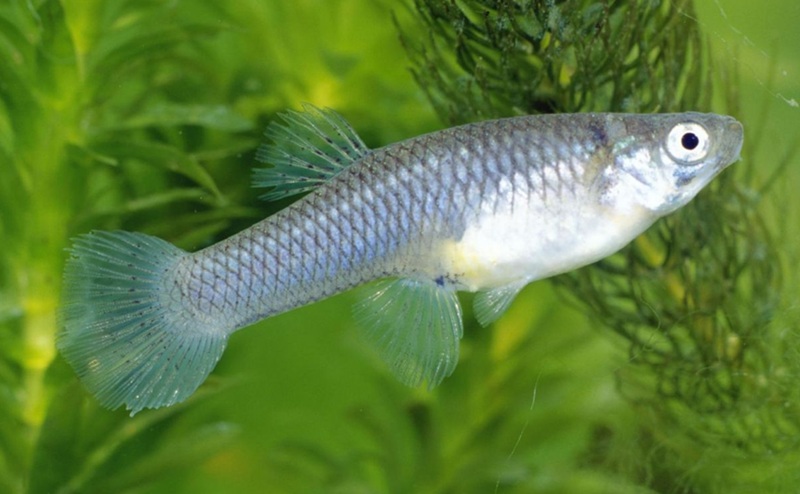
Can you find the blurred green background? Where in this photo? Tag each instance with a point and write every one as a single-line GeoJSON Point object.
{"type": "Point", "coordinates": [145, 116]}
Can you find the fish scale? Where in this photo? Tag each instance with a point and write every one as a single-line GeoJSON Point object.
{"type": "Point", "coordinates": [486, 207]}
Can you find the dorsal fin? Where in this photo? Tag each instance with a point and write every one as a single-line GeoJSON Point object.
{"type": "Point", "coordinates": [306, 150]}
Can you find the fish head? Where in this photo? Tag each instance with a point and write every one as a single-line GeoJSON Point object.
{"type": "Point", "coordinates": [666, 159]}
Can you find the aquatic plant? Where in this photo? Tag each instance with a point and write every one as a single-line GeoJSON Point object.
{"type": "Point", "coordinates": [139, 115]}
{"type": "Point", "coordinates": [106, 118]}
{"type": "Point", "coordinates": [498, 58]}
{"type": "Point", "coordinates": [698, 298]}
{"type": "Point", "coordinates": [683, 329]}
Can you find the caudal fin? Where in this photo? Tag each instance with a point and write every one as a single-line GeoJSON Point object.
{"type": "Point", "coordinates": [128, 340]}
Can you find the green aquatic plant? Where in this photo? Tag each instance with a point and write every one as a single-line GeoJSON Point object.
{"type": "Point", "coordinates": [698, 298]}
{"type": "Point", "coordinates": [102, 123]}
{"type": "Point", "coordinates": [499, 58]}
{"type": "Point", "coordinates": [139, 115]}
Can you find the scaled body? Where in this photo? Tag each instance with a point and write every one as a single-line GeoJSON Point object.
{"type": "Point", "coordinates": [485, 207]}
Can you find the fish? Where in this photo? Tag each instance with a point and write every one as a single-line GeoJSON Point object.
{"type": "Point", "coordinates": [485, 207]}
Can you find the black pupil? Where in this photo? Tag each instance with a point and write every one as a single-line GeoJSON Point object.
{"type": "Point", "coordinates": [690, 141]}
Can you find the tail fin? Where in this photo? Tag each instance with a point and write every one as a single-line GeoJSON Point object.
{"type": "Point", "coordinates": [129, 342]}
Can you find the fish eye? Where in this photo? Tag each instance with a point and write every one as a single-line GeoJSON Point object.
{"type": "Point", "coordinates": [688, 142]}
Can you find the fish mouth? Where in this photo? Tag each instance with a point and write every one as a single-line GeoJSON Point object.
{"type": "Point", "coordinates": [735, 131]}
{"type": "Point", "coordinates": [730, 148]}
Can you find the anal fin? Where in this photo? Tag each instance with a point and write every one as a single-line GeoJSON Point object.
{"type": "Point", "coordinates": [415, 326]}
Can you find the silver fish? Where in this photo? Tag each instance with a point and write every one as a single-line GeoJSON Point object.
{"type": "Point", "coordinates": [486, 207]}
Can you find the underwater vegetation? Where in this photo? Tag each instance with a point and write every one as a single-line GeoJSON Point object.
{"type": "Point", "coordinates": [698, 298]}
{"type": "Point", "coordinates": [669, 367]}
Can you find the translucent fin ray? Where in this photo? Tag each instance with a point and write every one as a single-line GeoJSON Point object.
{"type": "Point", "coordinates": [122, 333]}
{"type": "Point", "coordinates": [489, 305]}
{"type": "Point", "coordinates": [305, 151]}
{"type": "Point", "coordinates": [415, 326]}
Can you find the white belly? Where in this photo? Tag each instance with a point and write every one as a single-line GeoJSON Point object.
{"type": "Point", "coordinates": [524, 242]}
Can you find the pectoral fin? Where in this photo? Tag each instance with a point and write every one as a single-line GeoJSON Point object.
{"type": "Point", "coordinates": [415, 326]}
{"type": "Point", "coordinates": [489, 305]}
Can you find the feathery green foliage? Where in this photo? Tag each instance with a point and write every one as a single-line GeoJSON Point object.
{"type": "Point", "coordinates": [101, 116]}
{"type": "Point", "coordinates": [487, 59]}
{"type": "Point", "coordinates": [697, 298]}
{"type": "Point", "coordinates": [143, 115]}
{"type": "Point", "coordinates": [134, 115]}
